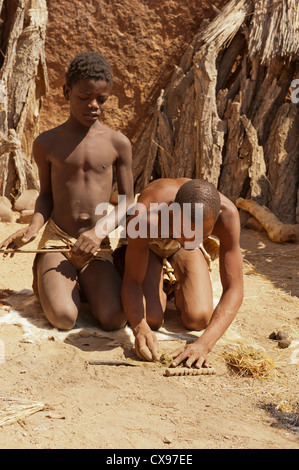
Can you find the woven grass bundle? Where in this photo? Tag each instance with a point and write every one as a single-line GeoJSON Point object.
{"type": "Point", "coordinates": [248, 361]}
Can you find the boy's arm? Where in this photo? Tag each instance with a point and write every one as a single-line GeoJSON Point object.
{"type": "Point", "coordinates": [230, 265]}
{"type": "Point", "coordinates": [124, 178]}
{"type": "Point", "coordinates": [123, 167]}
{"type": "Point", "coordinates": [44, 202]}
{"type": "Point", "coordinates": [136, 262]}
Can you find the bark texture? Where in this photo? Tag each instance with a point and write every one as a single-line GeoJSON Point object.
{"type": "Point", "coordinates": [23, 83]}
{"type": "Point", "coordinates": [227, 114]}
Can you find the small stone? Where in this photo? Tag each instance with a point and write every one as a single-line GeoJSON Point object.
{"type": "Point", "coordinates": [6, 214]}
{"type": "Point", "coordinates": [167, 440]}
{"type": "Point", "coordinates": [281, 335]}
{"type": "Point", "coordinates": [284, 343]}
{"type": "Point", "coordinates": [272, 335]}
{"type": "Point", "coordinates": [26, 200]}
{"type": "Point", "coordinates": [84, 333]}
{"type": "Point", "coordinates": [4, 200]}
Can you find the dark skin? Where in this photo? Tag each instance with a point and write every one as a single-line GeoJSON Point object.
{"type": "Point", "coordinates": [144, 301]}
{"type": "Point", "coordinates": [75, 162]}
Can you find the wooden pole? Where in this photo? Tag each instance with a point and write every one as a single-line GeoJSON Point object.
{"type": "Point", "coordinates": [46, 250]}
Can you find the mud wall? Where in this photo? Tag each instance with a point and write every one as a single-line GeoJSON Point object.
{"type": "Point", "coordinates": [142, 39]}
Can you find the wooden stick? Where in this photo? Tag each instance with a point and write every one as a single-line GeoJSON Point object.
{"type": "Point", "coordinates": [131, 362]}
{"type": "Point", "coordinates": [114, 363]}
{"type": "Point", "coordinates": [186, 371]}
{"type": "Point", "coordinates": [179, 371]}
{"type": "Point", "coordinates": [47, 250]}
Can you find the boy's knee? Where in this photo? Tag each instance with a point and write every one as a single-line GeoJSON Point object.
{"type": "Point", "coordinates": [155, 321]}
{"type": "Point", "coordinates": [196, 319]}
{"type": "Point", "coordinates": [156, 324]}
{"type": "Point", "coordinates": [111, 320]}
{"type": "Point", "coordinates": [65, 320]}
{"type": "Point", "coordinates": [155, 309]}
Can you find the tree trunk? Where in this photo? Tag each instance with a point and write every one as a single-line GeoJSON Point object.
{"type": "Point", "coordinates": [23, 83]}
{"type": "Point", "coordinates": [226, 115]}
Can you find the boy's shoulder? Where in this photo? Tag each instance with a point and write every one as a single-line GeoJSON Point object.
{"type": "Point", "coordinates": [228, 223]}
{"type": "Point", "coordinates": [228, 208]}
{"type": "Point", "coordinates": [47, 137]}
{"type": "Point", "coordinates": [120, 142]}
{"type": "Point", "coordinates": [45, 142]}
{"type": "Point", "coordinates": [117, 137]}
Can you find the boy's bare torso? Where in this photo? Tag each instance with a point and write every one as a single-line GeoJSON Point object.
{"type": "Point", "coordinates": [81, 172]}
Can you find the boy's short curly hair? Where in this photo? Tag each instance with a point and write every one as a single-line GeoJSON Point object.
{"type": "Point", "coordinates": [89, 64]}
{"type": "Point", "coordinates": [200, 191]}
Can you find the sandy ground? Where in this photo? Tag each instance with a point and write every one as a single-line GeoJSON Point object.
{"type": "Point", "coordinates": [118, 407]}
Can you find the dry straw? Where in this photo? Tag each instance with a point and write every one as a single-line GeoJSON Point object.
{"type": "Point", "coordinates": [14, 409]}
{"type": "Point", "coordinates": [248, 361]}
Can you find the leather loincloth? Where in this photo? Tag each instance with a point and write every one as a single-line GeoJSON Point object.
{"type": "Point", "coordinates": [54, 237]}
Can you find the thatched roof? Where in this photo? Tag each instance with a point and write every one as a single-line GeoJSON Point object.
{"type": "Point", "coordinates": [272, 28]}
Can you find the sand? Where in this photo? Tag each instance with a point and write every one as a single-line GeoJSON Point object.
{"type": "Point", "coordinates": [117, 407]}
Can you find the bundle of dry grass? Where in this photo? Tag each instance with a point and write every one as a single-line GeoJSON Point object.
{"type": "Point", "coordinates": [14, 409]}
{"type": "Point", "coordinates": [248, 361]}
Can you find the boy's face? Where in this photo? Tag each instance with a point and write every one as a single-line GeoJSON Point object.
{"type": "Point", "coordinates": [87, 99]}
{"type": "Point", "coordinates": [190, 234]}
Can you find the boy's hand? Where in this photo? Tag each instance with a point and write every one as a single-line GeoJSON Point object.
{"type": "Point", "coordinates": [87, 242]}
{"type": "Point", "coordinates": [18, 239]}
{"type": "Point", "coordinates": [194, 353]}
{"type": "Point", "coordinates": [146, 345]}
